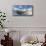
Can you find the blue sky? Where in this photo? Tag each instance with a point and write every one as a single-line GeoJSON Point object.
{"type": "Point", "coordinates": [23, 7]}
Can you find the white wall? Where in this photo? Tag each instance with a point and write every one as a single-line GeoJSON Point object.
{"type": "Point", "coordinates": [37, 20]}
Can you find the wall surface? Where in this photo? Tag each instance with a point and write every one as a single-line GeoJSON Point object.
{"type": "Point", "coordinates": [37, 20]}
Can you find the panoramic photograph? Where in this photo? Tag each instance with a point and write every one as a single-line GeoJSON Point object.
{"type": "Point", "coordinates": [22, 10]}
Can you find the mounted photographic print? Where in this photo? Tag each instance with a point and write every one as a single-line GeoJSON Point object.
{"type": "Point", "coordinates": [22, 10]}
